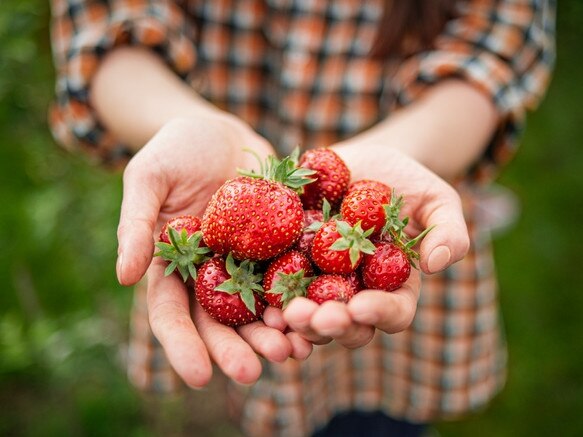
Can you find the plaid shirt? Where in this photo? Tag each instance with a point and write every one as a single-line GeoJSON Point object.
{"type": "Point", "coordinates": [299, 72]}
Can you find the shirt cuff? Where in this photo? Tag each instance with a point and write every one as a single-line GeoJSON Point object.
{"type": "Point", "coordinates": [73, 121]}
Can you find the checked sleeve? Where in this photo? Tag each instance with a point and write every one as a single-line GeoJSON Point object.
{"type": "Point", "coordinates": [82, 32]}
{"type": "Point", "coordinates": [506, 48]}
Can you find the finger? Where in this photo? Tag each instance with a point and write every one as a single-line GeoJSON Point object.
{"type": "Point", "coordinates": [389, 311]}
{"type": "Point", "coordinates": [232, 354]}
{"type": "Point", "coordinates": [448, 241]}
{"type": "Point", "coordinates": [273, 317]}
{"type": "Point", "coordinates": [301, 348]}
{"type": "Point", "coordinates": [168, 308]}
{"type": "Point", "coordinates": [270, 343]}
{"type": "Point", "coordinates": [331, 319]}
{"type": "Point", "coordinates": [334, 320]}
{"type": "Point", "coordinates": [298, 315]}
{"type": "Point", "coordinates": [143, 194]}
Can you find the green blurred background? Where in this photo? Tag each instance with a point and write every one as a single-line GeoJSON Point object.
{"type": "Point", "coordinates": [63, 318]}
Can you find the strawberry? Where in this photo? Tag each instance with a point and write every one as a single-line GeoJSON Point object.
{"type": "Point", "coordinates": [370, 184]}
{"type": "Point", "coordinates": [367, 206]}
{"type": "Point", "coordinates": [304, 244]}
{"type": "Point", "coordinates": [387, 269]}
{"type": "Point", "coordinates": [330, 287]}
{"type": "Point", "coordinates": [313, 220]}
{"type": "Point", "coordinates": [333, 177]}
{"type": "Point", "coordinates": [181, 246]}
{"type": "Point", "coordinates": [188, 222]}
{"type": "Point", "coordinates": [256, 216]}
{"type": "Point", "coordinates": [355, 280]}
{"type": "Point", "coordinates": [286, 277]}
{"type": "Point", "coordinates": [229, 293]}
{"type": "Point", "coordinates": [338, 247]}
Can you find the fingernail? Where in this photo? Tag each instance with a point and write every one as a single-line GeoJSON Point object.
{"type": "Point", "coordinates": [119, 266]}
{"type": "Point", "coordinates": [438, 259]}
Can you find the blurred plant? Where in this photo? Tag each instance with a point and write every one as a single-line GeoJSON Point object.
{"type": "Point", "coordinates": [55, 349]}
{"type": "Point", "coordinates": [59, 212]}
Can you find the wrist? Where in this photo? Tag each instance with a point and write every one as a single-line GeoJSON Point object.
{"type": "Point", "coordinates": [446, 129]}
{"type": "Point", "coordinates": [223, 134]}
{"type": "Point", "coordinates": [368, 160]}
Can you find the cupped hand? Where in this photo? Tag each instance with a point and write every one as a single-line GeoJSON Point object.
{"type": "Point", "coordinates": [429, 202]}
{"type": "Point", "coordinates": [176, 173]}
{"type": "Point", "coordinates": [353, 324]}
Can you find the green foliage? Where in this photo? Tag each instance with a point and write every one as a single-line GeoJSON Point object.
{"type": "Point", "coordinates": [62, 315]}
{"type": "Point", "coordinates": [538, 263]}
{"type": "Point", "coordinates": [63, 318]}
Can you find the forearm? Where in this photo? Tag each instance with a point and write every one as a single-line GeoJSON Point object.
{"type": "Point", "coordinates": [135, 93]}
{"type": "Point", "coordinates": [446, 130]}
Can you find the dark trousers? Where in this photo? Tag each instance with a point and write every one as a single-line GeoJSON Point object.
{"type": "Point", "coordinates": [369, 424]}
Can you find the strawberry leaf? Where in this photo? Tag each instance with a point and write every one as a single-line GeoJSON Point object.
{"type": "Point", "coordinates": [341, 244]}
{"type": "Point", "coordinates": [183, 253]}
{"type": "Point", "coordinates": [248, 299]}
{"type": "Point", "coordinates": [326, 209]}
{"type": "Point", "coordinates": [170, 268]}
{"type": "Point", "coordinates": [290, 286]}
{"type": "Point", "coordinates": [243, 280]}
{"type": "Point", "coordinates": [353, 239]}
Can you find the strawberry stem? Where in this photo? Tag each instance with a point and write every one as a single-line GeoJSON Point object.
{"type": "Point", "coordinates": [284, 171]}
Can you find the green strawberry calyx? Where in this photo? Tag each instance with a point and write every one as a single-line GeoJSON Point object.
{"type": "Point", "coordinates": [395, 229]}
{"type": "Point", "coordinates": [354, 239]}
{"type": "Point", "coordinates": [326, 211]}
{"type": "Point", "coordinates": [394, 226]}
{"type": "Point", "coordinates": [183, 253]}
{"type": "Point", "coordinates": [285, 171]}
{"type": "Point", "coordinates": [406, 244]}
{"type": "Point", "coordinates": [243, 280]}
{"type": "Point", "coordinates": [290, 286]}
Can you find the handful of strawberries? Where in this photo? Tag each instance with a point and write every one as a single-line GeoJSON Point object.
{"type": "Point", "coordinates": [268, 237]}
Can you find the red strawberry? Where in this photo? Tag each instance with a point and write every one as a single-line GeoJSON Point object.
{"type": "Point", "coordinates": [371, 184]}
{"type": "Point", "coordinates": [333, 177]}
{"type": "Point", "coordinates": [181, 246]}
{"type": "Point", "coordinates": [338, 247]}
{"type": "Point", "coordinates": [286, 277]}
{"type": "Point", "coordinates": [355, 280]}
{"type": "Point", "coordinates": [387, 269]}
{"type": "Point", "coordinates": [257, 217]}
{"type": "Point", "coordinates": [330, 287]}
{"type": "Point", "coordinates": [367, 206]}
{"type": "Point", "coordinates": [252, 218]}
{"type": "Point", "coordinates": [188, 222]}
{"type": "Point", "coordinates": [304, 244]}
{"type": "Point", "coordinates": [229, 293]}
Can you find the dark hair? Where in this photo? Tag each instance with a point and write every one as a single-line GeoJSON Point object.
{"type": "Point", "coordinates": [408, 26]}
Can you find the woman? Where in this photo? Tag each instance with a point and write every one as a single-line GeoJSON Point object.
{"type": "Point", "coordinates": [410, 93]}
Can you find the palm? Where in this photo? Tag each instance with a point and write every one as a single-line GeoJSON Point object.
{"type": "Point", "coordinates": [187, 161]}
{"type": "Point", "coordinates": [176, 173]}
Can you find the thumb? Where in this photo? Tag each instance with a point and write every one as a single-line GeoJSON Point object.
{"type": "Point", "coordinates": [142, 199]}
{"type": "Point", "coordinates": [448, 242]}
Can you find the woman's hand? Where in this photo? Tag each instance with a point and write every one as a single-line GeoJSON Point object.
{"type": "Point", "coordinates": [429, 201]}
{"type": "Point", "coordinates": [176, 173]}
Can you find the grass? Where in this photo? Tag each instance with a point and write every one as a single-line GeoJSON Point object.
{"type": "Point", "coordinates": [63, 317]}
